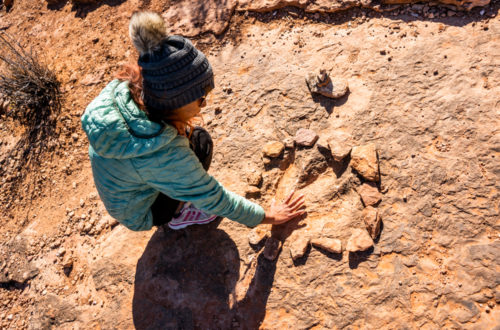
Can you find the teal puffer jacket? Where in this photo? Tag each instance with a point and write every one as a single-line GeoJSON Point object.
{"type": "Point", "coordinates": [130, 169]}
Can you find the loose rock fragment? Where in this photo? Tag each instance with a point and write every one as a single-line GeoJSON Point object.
{"type": "Point", "coordinates": [372, 221]}
{"type": "Point", "coordinates": [340, 145]}
{"type": "Point", "coordinates": [364, 161]}
{"type": "Point", "coordinates": [273, 149]}
{"type": "Point", "coordinates": [329, 244]}
{"type": "Point", "coordinates": [289, 143]}
{"type": "Point", "coordinates": [252, 191]}
{"type": "Point", "coordinates": [254, 178]}
{"type": "Point", "coordinates": [299, 247]}
{"type": "Point", "coordinates": [360, 240]}
{"type": "Point", "coordinates": [257, 235]}
{"type": "Point", "coordinates": [272, 248]}
{"type": "Point", "coordinates": [306, 137]}
{"type": "Point", "coordinates": [369, 194]}
{"type": "Point", "coordinates": [321, 83]}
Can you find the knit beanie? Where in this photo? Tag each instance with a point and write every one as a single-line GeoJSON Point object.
{"type": "Point", "coordinates": [174, 72]}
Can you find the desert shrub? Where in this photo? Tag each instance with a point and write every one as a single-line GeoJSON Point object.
{"type": "Point", "coordinates": [33, 95]}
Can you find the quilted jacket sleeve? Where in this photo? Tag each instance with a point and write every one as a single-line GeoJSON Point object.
{"type": "Point", "coordinates": [177, 172]}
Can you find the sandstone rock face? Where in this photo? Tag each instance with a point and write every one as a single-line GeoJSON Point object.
{"type": "Point", "coordinates": [360, 240]}
{"type": "Point", "coordinates": [273, 149]}
{"type": "Point", "coordinates": [328, 244]}
{"type": "Point", "coordinates": [337, 5]}
{"type": "Point", "coordinates": [372, 221]}
{"type": "Point", "coordinates": [306, 137]}
{"type": "Point", "coordinates": [364, 160]}
{"type": "Point", "coordinates": [434, 120]}
{"type": "Point", "coordinates": [369, 194]}
{"type": "Point", "coordinates": [190, 18]}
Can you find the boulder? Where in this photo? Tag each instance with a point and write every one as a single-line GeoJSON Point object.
{"type": "Point", "coordinates": [360, 240]}
{"type": "Point", "coordinates": [369, 194]}
{"type": "Point", "coordinates": [328, 244]}
{"type": "Point", "coordinates": [372, 221]}
{"type": "Point", "coordinates": [364, 161]}
{"type": "Point", "coordinates": [273, 149]}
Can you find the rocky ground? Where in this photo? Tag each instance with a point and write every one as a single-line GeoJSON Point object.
{"type": "Point", "coordinates": [414, 143]}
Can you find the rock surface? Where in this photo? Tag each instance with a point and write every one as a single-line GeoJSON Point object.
{"type": "Point", "coordinates": [257, 235]}
{"type": "Point", "coordinates": [365, 161]}
{"type": "Point", "coordinates": [360, 240]}
{"type": "Point", "coordinates": [298, 246]}
{"type": "Point", "coordinates": [369, 194]}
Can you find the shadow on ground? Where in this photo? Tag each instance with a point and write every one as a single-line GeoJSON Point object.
{"type": "Point", "coordinates": [186, 279]}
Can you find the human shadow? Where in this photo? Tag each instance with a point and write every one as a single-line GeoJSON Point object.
{"type": "Point", "coordinates": [328, 103]}
{"type": "Point", "coordinates": [186, 279]}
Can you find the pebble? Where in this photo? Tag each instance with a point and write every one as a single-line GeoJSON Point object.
{"type": "Point", "coordinates": [372, 221]}
{"type": "Point", "coordinates": [273, 149]}
{"type": "Point", "coordinates": [305, 137]}
{"type": "Point", "coordinates": [369, 194]}
{"type": "Point", "coordinates": [257, 235]}
{"type": "Point", "coordinates": [329, 244]}
{"type": "Point", "coordinates": [298, 247]}
{"type": "Point", "coordinates": [44, 292]}
{"type": "Point", "coordinates": [10, 317]}
{"type": "Point", "coordinates": [254, 178]}
{"type": "Point", "coordinates": [289, 143]}
{"type": "Point", "coordinates": [364, 161]}
{"type": "Point", "coordinates": [360, 240]}
{"type": "Point", "coordinates": [272, 248]}
{"type": "Point", "coordinates": [339, 145]}
{"type": "Point", "coordinates": [82, 202]}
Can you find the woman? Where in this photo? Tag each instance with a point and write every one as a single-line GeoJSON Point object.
{"type": "Point", "coordinates": [149, 163]}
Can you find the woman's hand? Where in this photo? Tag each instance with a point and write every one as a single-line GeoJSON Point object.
{"type": "Point", "coordinates": [284, 212]}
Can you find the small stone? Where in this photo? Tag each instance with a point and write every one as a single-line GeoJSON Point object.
{"type": "Point", "coordinates": [369, 194]}
{"type": "Point", "coordinates": [298, 247]}
{"type": "Point", "coordinates": [491, 304]}
{"type": "Point", "coordinates": [254, 178]}
{"type": "Point", "coordinates": [339, 145]}
{"type": "Point", "coordinates": [252, 192]}
{"type": "Point", "coordinates": [431, 15]}
{"type": "Point", "coordinates": [364, 161]}
{"type": "Point", "coordinates": [74, 185]}
{"type": "Point", "coordinates": [451, 13]}
{"type": "Point", "coordinates": [44, 292]}
{"type": "Point", "coordinates": [61, 252]}
{"type": "Point", "coordinates": [321, 83]}
{"type": "Point", "coordinates": [273, 149]}
{"type": "Point", "coordinates": [329, 244]}
{"type": "Point", "coordinates": [305, 137]}
{"type": "Point", "coordinates": [10, 317]}
{"type": "Point", "coordinates": [372, 221]}
{"type": "Point", "coordinates": [257, 235]}
{"type": "Point", "coordinates": [289, 143]}
{"type": "Point", "coordinates": [272, 248]}
{"type": "Point", "coordinates": [82, 202]}
{"type": "Point", "coordinates": [360, 240]}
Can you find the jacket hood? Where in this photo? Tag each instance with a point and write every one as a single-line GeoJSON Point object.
{"type": "Point", "coordinates": [117, 128]}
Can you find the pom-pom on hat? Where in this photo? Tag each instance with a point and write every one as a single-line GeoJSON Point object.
{"type": "Point", "coordinates": [174, 72]}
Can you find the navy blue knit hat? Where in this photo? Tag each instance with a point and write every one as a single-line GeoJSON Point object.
{"type": "Point", "coordinates": [174, 72]}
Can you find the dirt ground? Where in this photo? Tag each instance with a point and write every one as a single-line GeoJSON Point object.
{"type": "Point", "coordinates": [423, 88]}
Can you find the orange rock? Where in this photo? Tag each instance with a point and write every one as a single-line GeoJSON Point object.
{"type": "Point", "coordinates": [372, 221]}
{"type": "Point", "coordinates": [364, 161]}
{"type": "Point", "coordinates": [360, 240]}
{"type": "Point", "coordinates": [328, 244]}
{"type": "Point", "coordinates": [273, 149]}
{"type": "Point", "coordinates": [369, 194]}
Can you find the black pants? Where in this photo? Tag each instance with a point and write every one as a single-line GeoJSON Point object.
{"type": "Point", "coordinates": [164, 207]}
